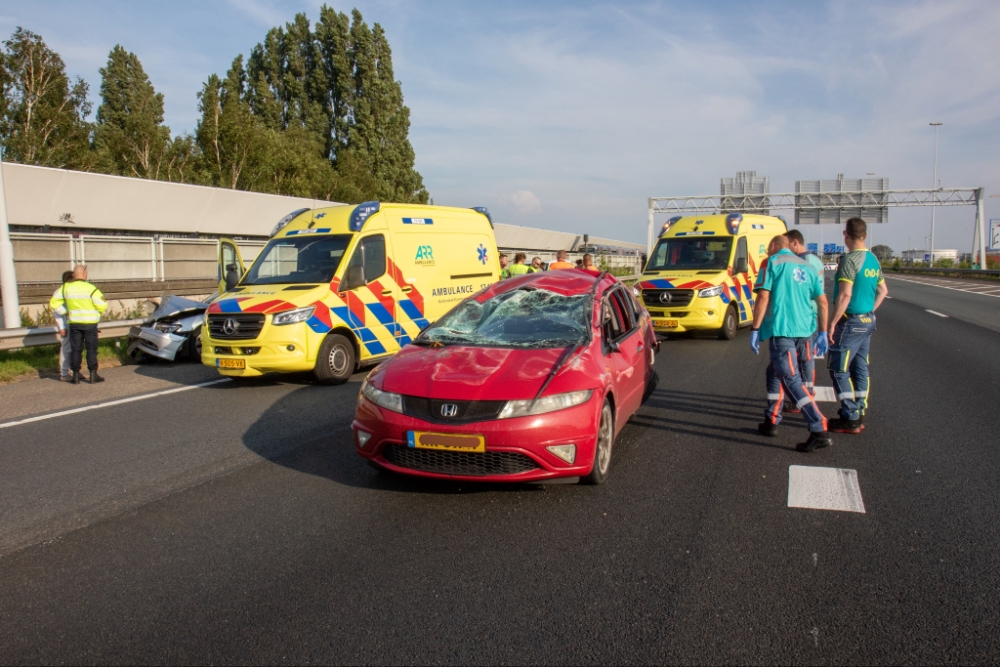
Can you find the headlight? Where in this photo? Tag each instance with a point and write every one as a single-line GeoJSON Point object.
{"type": "Point", "coordinates": [293, 316]}
{"type": "Point", "coordinates": [383, 399]}
{"type": "Point", "coordinates": [711, 291]}
{"type": "Point", "coordinates": [166, 327]}
{"type": "Point", "coordinates": [545, 404]}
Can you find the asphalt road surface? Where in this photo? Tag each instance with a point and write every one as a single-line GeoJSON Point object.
{"type": "Point", "coordinates": [233, 523]}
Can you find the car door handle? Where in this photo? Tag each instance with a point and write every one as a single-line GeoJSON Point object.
{"type": "Point", "coordinates": [639, 348]}
{"type": "Point", "coordinates": [387, 292]}
{"type": "Point", "coordinates": [407, 289]}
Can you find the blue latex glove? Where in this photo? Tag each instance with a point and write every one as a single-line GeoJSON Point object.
{"type": "Point", "coordinates": [755, 341]}
{"type": "Point", "coordinates": [822, 345]}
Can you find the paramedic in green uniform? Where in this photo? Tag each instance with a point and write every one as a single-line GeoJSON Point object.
{"type": "Point", "coordinates": [858, 291]}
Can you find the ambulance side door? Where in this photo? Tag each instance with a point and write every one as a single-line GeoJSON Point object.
{"type": "Point", "coordinates": [231, 267]}
{"type": "Point", "coordinates": [370, 291]}
{"type": "Point", "coordinates": [741, 267]}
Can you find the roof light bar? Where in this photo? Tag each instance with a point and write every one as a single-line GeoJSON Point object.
{"type": "Point", "coordinates": [362, 212]}
{"type": "Point", "coordinates": [484, 211]}
{"type": "Point", "coordinates": [288, 218]}
{"type": "Point", "coordinates": [733, 221]}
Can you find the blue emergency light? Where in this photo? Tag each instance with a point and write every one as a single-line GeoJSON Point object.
{"type": "Point", "coordinates": [733, 221]}
{"type": "Point", "coordinates": [668, 223]}
{"type": "Point", "coordinates": [362, 212]}
{"type": "Point", "coordinates": [484, 211]}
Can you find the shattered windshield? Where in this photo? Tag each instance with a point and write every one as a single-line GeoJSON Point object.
{"type": "Point", "coordinates": [523, 318]}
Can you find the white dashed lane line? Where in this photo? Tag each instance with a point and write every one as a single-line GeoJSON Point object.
{"type": "Point", "coordinates": [824, 489]}
{"type": "Point", "coordinates": [934, 312]}
{"type": "Point", "coordinates": [955, 285]}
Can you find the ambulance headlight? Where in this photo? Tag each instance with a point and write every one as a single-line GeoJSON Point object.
{"type": "Point", "coordinates": [383, 399]}
{"type": "Point", "coordinates": [294, 316]}
{"type": "Point", "coordinates": [545, 404]}
{"type": "Point", "coordinates": [710, 291]}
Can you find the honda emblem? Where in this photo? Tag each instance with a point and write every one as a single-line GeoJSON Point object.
{"type": "Point", "coordinates": [449, 410]}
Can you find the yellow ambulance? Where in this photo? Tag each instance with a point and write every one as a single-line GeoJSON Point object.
{"type": "Point", "coordinates": [701, 272]}
{"type": "Point", "coordinates": [342, 287]}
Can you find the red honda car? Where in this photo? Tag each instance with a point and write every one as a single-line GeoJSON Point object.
{"type": "Point", "coordinates": [530, 379]}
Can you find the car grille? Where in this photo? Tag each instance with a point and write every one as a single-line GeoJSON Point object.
{"type": "Point", "coordinates": [672, 313]}
{"type": "Point", "coordinates": [430, 410]}
{"type": "Point", "coordinates": [678, 297]}
{"type": "Point", "coordinates": [247, 326]}
{"type": "Point", "coordinates": [458, 463]}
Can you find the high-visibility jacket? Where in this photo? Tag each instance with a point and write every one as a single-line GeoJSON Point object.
{"type": "Point", "coordinates": [80, 302]}
{"type": "Point", "coordinates": [520, 270]}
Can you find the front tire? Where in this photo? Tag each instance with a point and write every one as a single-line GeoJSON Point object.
{"type": "Point", "coordinates": [605, 443]}
{"type": "Point", "coordinates": [193, 346]}
{"type": "Point", "coordinates": [335, 362]}
{"type": "Point", "coordinates": [729, 325]}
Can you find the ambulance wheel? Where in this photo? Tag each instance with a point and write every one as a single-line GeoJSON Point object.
{"type": "Point", "coordinates": [335, 362]}
{"type": "Point", "coordinates": [729, 324]}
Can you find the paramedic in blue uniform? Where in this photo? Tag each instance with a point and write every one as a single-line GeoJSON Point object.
{"type": "Point", "coordinates": [783, 316]}
{"type": "Point", "coordinates": [807, 354]}
{"type": "Point", "coordinates": [858, 291]}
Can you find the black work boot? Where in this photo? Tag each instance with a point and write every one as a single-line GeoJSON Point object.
{"type": "Point", "coordinates": [861, 422]}
{"type": "Point", "coordinates": [95, 378]}
{"type": "Point", "coordinates": [76, 377]}
{"type": "Point", "coordinates": [841, 425]}
{"type": "Point", "coordinates": [817, 440]}
{"type": "Point", "coordinates": [767, 428]}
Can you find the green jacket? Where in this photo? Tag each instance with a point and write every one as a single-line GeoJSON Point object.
{"type": "Point", "coordinates": [79, 302]}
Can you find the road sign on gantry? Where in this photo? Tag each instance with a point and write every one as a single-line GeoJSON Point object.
{"type": "Point", "coordinates": [834, 202]}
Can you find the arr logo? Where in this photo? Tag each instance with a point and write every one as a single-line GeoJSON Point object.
{"type": "Point", "coordinates": [425, 255]}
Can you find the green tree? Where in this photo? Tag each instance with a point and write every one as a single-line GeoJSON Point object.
{"type": "Point", "coordinates": [42, 113]}
{"type": "Point", "coordinates": [130, 136]}
{"type": "Point", "coordinates": [883, 253]}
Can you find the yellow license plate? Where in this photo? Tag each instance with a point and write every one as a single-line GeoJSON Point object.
{"type": "Point", "coordinates": [668, 324]}
{"type": "Point", "coordinates": [452, 442]}
{"type": "Point", "coordinates": [240, 364]}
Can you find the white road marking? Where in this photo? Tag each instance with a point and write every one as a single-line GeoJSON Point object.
{"type": "Point", "coordinates": [108, 404]}
{"type": "Point", "coordinates": [934, 312]}
{"type": "Point", "coordinates": [824, 489]}
{"type": "Point", "coordinates": [943, 286]}
{"type": "Point", "coordinates": [825, 395]}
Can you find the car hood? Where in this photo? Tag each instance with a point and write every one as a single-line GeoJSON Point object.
{"type": "Point", "coordinates": [172, 306]}
{"type": "Point", "coordinates": [469, 373]}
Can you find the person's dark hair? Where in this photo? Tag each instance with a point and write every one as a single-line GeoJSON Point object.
{"type": "Point", "coordinates": [67, 277]}
{"type": "Point", "coordinates": [795, 235]}
{"type": "Point", "coordinates": [503, 255]}
{"type": "Point", "coordinates": [856, 228]}
{"type": "Point", "coordinates": [520, 257]}
{"type": "Point", "coordinates": [579, 262]}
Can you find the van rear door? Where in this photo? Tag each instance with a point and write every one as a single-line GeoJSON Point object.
{"type": "Point", "coordinates": [231, 267]}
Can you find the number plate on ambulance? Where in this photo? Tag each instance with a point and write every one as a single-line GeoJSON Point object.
{"type": "Point", "coordinates": [668, 324]}
{"type": "Point", "coordinates": [452, 442]}
{"type": "Point", "coordinates": [231, 363]}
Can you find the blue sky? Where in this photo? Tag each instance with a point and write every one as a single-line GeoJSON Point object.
{"type": "Point", "coordinates": [569, 115]}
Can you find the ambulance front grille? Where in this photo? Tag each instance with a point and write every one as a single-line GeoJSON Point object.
{"type": "Point", "coordinates": [678, 297]}
{"type": "Point", "coordinates": [235, 326]}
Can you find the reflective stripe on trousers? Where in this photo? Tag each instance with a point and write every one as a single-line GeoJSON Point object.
{"type": "Point", "coordinates": [848, 363]}
{"type": "Point", "coordinates": [783, 375]}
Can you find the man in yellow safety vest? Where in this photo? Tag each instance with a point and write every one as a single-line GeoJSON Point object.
{"type": "Point", "coordinates": [82, 304]}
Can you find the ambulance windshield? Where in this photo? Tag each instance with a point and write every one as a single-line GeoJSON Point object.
{"type": "Point", "coordinates": [298, 259]}
{"type": "Point", "coordinates": [521, 318]}
{"type": "Point", "coordinates": [704, 253]}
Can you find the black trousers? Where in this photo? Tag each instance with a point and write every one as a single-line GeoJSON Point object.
{"type": "Point", "coordinates": [81, 335]}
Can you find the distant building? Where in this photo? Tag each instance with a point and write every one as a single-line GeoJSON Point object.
{"type": "Point", "coordinates": [921, 255]}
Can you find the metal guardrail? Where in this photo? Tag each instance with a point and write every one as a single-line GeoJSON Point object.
{"type": "Point", "coordinates": [39, 293]}
{"type": "Point", "coordinates": [959, 273]}
{"type": "Point", "coordinates": [14, 339]}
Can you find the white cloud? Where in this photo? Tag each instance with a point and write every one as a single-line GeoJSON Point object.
{"type": "Point", "coordinates": [524, 202]}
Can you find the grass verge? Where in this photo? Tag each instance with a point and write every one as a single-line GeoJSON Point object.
{"type": "Point", "coordinates": [33, 362]}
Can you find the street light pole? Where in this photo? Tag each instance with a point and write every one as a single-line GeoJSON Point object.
{"type": "Point", "coordinates": [934, 187]}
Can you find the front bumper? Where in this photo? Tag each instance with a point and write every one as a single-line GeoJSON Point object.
{"type": "Point", "coordinates": [702, 314]}
{"type": "Point", "coordinates": [155, 343]}
{"type": "Point", "coordinates": [283, 349]}
{"type": "Point", "coordinates": [524, 437]}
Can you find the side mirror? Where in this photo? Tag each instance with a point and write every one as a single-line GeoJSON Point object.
{"type": "Point", "coordinates": [740, 265]}
{"type": "Point", "coordinates": [232, 277]}
{"type": "Point", "coordinates": [355, 277]}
